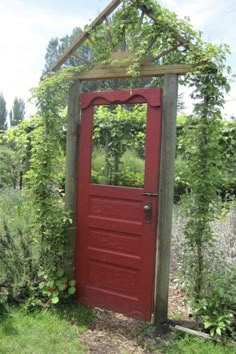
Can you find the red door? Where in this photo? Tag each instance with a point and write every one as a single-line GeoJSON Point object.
{"type": "Point", "coordinates": [115, 252]}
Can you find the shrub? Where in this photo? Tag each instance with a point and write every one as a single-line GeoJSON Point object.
{"type": "Point", "coordinates": [217, 306]}
{"type": "Point", "coordinates": [19, 264]}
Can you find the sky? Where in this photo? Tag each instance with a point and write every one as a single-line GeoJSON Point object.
{"type": "Point", "coordinates": [26, 26]}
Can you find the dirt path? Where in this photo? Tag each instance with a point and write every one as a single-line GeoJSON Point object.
{"type": "Point", "coordinates": [113, 333]}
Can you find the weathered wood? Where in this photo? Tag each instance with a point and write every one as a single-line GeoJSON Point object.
{"type": "Point", "coordinates": [84, 35]}
{"type": "Point", "coordinates": [203, 335]}
{"type": "Point", "coordinates": [102, 72]}
{"type": "Point", "coordinates": [165, 199]}
{"type": "Point", "coordinates": [71, 174]}
{"type": "Point", "coordinates": [193, 332]}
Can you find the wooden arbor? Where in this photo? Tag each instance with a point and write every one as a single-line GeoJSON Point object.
{"type": "Point", "coordinates": [170, 91]}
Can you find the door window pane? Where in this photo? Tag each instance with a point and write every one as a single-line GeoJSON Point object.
{"type": "Point", "coordinates": [118, 156]}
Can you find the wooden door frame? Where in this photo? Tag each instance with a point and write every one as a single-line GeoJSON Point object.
{"type": "Point", "coordinates": [166, 187]}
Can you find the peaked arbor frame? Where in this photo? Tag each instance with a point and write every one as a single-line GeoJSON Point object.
{"type": "Point", "coordinates": [166, 189]}
{"type": "Point", "coordinates": [119, 67]}
{"type": "Point", "coordinates": [148, 69]}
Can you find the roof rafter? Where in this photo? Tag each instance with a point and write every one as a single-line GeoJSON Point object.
{"type": "Point", "coordinates": [99, 19]}
{"type": "Point", "coordinates": [84, 35]}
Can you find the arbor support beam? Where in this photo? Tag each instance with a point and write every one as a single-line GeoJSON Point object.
{"type": "Point", "coordinates": [166, 196]}
{"type": "Point", "coordinates": [71, 182]}
{"type": "Point", "coordinates": [105, 72]}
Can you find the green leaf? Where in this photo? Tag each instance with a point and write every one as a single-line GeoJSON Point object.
{"type": "Point", "coordinates": [71, 290]}
{"type": "Point", "coordinates": [51, 283]}
{"type": "Point", "coordinates": [72, 282]}
{"type": "Point", "coordinates": [60, 273]}
{"type": "Point", "coordinates": [208, 324]}
{"type": "Point", "coordinates": [61, 286]}
{"type": "Point", "coordinates": [41, 285]}
{"type": "Point", "coordinates": [218, 331]}
{"type": "Point", "coordinates": [212, 332]}
{"type": "Point", "coordinates": [55, 300]}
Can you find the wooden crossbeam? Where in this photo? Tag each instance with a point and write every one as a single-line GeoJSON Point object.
{"type": "Point", "coordinates": [84, 35]}
{"type": "Point", "coordinates": [102, 72]}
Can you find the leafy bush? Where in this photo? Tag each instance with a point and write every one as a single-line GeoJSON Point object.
{"type": "Point", "coordinates": [19, 247]}
{"type": "Point", "coordinates": [16, 211]}
{"type": "Point", "coordinates": [56, 287]}
{"type": "Point", "coordinates": [21, 277]}
{"type": "Point", "coordinates": [10, 168]}
{"type": "Point", "coordinates": [226, 141]}
{"type": "Point", "coordinates": [130, 173]}
{"type": "Point", "coordinates": [217, 307]}
{"type": "Point", "coordinates": [18, 264]}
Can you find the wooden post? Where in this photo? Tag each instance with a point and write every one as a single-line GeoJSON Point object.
{"type": "Point", "coordinates": [166, 196]}
{"type": "Point", "coordinates": [72, 139]}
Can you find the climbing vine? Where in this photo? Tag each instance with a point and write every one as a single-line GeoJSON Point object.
{"type": "Point", "coordinates": [144, 28]}
{"type": "Point", "coordinates": [46, 169]}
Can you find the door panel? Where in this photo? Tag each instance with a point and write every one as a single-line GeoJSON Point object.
{"type": "Point", "coordinates": [115, 252]}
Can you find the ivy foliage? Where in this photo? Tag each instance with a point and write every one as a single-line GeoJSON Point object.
{"type": "Point", "coordinates": [145, 29]}
{"type": "Point", "coordinates": [46, 169]}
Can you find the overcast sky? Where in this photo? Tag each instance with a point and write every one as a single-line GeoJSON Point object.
{"type": "Point", "coordinates": [26, 27]}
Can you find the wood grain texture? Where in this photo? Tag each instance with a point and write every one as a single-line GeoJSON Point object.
{"type": "Point", "coordinates": [106, 72]}
{"type": "Point", "coordinates": [115, 252]}
{"type": "Point", "coordinates": [166, 194]}
{"type": "Point", "coordinates": [71, 181]}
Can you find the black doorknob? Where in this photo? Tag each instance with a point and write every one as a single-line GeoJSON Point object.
{"type": "Point", "coordinates": [148, 212]}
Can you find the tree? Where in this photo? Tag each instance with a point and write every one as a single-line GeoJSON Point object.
{"type": "Point", "coordinates": [3, 113]}
{"type": "Point", "coordinates": [18, 111]}
{"type": "Point", "coordinates": [52, 52]}
{"type": "Point", "coordinates": [57, 46]}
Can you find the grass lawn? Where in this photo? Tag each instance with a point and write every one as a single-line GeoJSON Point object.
{"type": "Point", "coordinates": [44, 332]}
{"type": "Point", "coordinates": [58, 331]}
{"type": "Point", "coordinates": [193, 345]}
{"type": "Point", "coordinates": [179, 343]}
